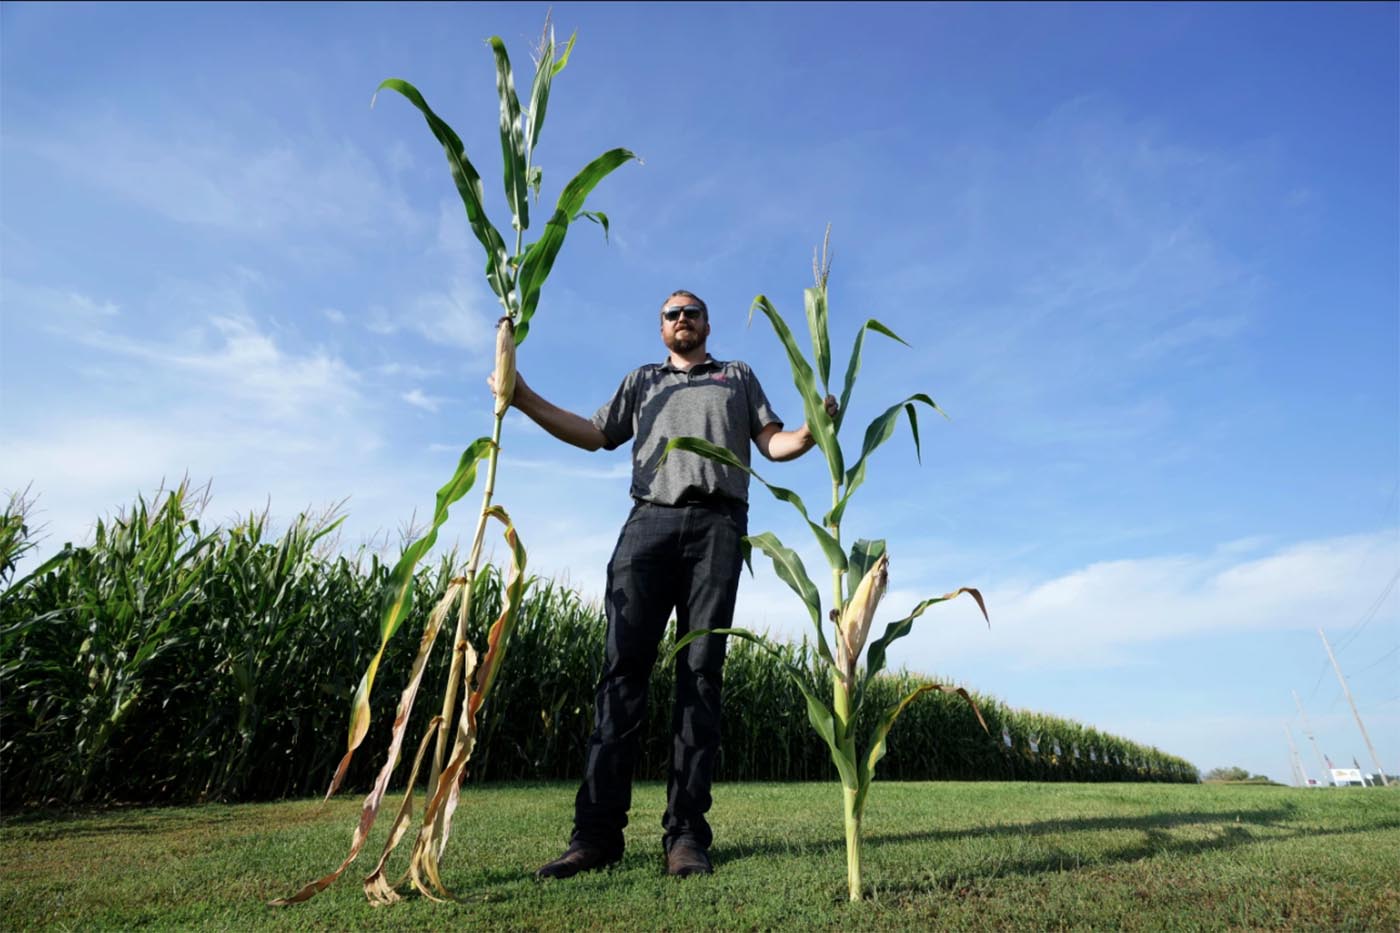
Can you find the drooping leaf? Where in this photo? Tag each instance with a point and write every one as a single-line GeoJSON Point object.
{"type": "Point", "coordinates": [370, 809]}
{"type": "Point", "coordinates": [789, 569]}
{"type": "Point", "coordinates": [879, 431]}
{"type": "Point", "coordinates": [398, 595]}
{"type": "Point", "coordinates": [853, 366]}
{"type": "Point", "coordinates": [539, 258]}
{"type": "Point", "coordinates": [468, 184]}
{"type": "Point", "coordinates": [513, 164]}
{"type": "Point", "coordinates": [818, 713]}
{"type": "Point", "coordinates": [813, 403]}
{"type": "Point", "coordinates": [377, 888]}
{"type": "Point", "coordinates": [880, 732]}
{"type": "Point", "coordinates": [814, 300]}
{"type": "Point", "coordinates": [875, 656]}
{"type": "Point", "coordinates": [598, 217]}
{"type": "Point", "coordinates": [696, 445]}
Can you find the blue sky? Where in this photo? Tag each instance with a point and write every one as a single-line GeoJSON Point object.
{"type": "Point", "coordinates": [1147, 258]}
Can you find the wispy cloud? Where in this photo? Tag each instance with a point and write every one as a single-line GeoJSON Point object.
{"type": "Point", "coordinates": [205, 175]}
{"type": "Point", "coordinates": [417, 399]}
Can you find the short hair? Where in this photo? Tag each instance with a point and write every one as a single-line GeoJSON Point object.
{"type": "Point", "coordinates": [692, 296]}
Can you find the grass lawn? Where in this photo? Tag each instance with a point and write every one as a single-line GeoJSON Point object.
{"type": "Point", "coordinates": [947, 855]}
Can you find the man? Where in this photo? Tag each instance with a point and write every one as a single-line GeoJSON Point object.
{"type": "Point", "coordinates": [678, 550]}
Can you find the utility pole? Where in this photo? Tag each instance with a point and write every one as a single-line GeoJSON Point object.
{"type": "Point", "coordinates": [1299, 775]}
{"type": "Point", "coordinates": [1307, 730]}
{"type": "Point", "coordinates": [1374, 757]}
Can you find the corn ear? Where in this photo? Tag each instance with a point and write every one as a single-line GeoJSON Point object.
{"type": "Point", "coordinates": [505, 364]}
{"type": "Point", "coordinates": [860, 613]}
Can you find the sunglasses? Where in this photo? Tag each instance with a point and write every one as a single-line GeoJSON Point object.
{"type": "Point", "coordinates": [691, 312]}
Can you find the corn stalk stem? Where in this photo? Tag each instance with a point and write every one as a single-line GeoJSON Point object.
{"type": "Point", "coordinates": [459, 641]}
{"type": "Point", "coordinates": [852, 842]}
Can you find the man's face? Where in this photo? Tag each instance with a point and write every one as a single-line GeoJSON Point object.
{"type": "Point", "coordinates": [688, 330]}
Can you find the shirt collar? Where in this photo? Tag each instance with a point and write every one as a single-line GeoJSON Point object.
{"type": "Point", "coordinates": [705, 365]}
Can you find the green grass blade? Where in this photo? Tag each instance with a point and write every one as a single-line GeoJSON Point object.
{"type": "Point", "coordinates": [853, 366]}
{"type": "Point", "coordinates": [539, 258]}
{"type": "Point", "coordinates": [468, 183]}
{"type": "Point", "coordinates": [818, 713]}
{"type": "Point", "coordinates": [814, 300]}
{"type": "Point", "coordinates": [512, 141]}
{"type": "Point", "coordinates": [398, 595]}
{"type": "Point", "coordinates": [818, 421]}
{"type": "Point", "coordinates": [696, 445]}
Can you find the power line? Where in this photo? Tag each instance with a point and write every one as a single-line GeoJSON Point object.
{"type": "Point", "coordinates": [1378, 661]}
{"type": "Point", "coordinates": [1369, 614]}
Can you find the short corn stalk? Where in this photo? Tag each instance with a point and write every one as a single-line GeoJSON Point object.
{"type": "Point", "coordinates": [859, 576]}
{"type": "Point", "coordinates": [516, 278]}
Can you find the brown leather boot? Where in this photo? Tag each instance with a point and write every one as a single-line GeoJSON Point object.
{"type": "Point", "coordinates": [685, 858]}
{"type": "Point", "coordinates": [579, 856]}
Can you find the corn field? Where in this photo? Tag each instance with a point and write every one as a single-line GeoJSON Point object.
{"type": "Point", "coordinates": [168, 661]}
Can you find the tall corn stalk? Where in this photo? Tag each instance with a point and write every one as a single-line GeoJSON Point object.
{"type": "Point", "coordinates": [858, 578]}
{"type": "Point", "coordinates": [516, 277]}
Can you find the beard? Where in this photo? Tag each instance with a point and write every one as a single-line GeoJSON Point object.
{"type": "Point", "coordinates": [683, 341]}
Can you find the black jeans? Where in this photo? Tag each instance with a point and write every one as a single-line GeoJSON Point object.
{"type": "Point", "coordinates": [685, 558]}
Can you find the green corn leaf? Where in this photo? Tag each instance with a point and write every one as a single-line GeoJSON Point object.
{"type": "Point", "coordinates": [875, 654]}
{"type": "Point", "coordinates": [864, 554]}
{"type": "Point", "coordinates": [512, 142]}
{"type": "Point", "coordinates": [468, 182]}
{"type": "Point", "coordinates": [398, 595]}
{"type": "Point", "coordinates": [598, 217]}
{"type": "Point", "coordinates": [545, 71]}
{"type": "Point", "coordinates": [790, 570]}
{"type": "Point", "coordinates": [813, 407]}
{"type": "Point", "coordinates": [879, 431]}
{"type": "Point", "coordinates": [818, 713]}
{"type": "Point", "coordinates": [814, 300]}
{"type": "Point", "coordinates": [829, 545]}
{"type": "Point", "coordinates": [539, 259]}
{"type": "Point", "coordinates": [853, 367]}
{"type": "Point", "coordinates": [881, 732]}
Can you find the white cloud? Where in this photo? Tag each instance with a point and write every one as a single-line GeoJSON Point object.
{"type": "Point", "coordinates": [334, 315]}
{"type": "Point", "coordinates": [416, 398]}
{"type": "Point", "coordinates": [1108, 612]}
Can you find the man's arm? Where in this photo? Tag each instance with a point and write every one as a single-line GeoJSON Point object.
{"type": "Point", "coordinates": [565, 425]}
{"type": "Point", "coordinates": [777, 444]}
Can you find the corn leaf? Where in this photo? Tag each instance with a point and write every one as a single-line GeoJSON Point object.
{"type": "Point", "coordinates": [789, 568]}
{"type": "Point", "coordinates": [539, 258]}
{"type": "Point", "coordinates": [875, 655]}
{"type": "Point", "coordinates": [813, 404]}
{"type": "Point", "coordinates": [864, 554]}
{"type": "Point", "coordinates": [512, 141]}
{"type": "Point", "coordinates": [881, 732]}
{"type": "Point", "coordinates": [598, 217]}
{"type": "Point", "coordinates": [818, 713]}
{"type": "Point", "coordinates": [498, 637]}
{"type": "Point", "coordinates": [814, 300]}
{"type": "Point", "coordinates": [370, 810]}
{"type": "Point", "coordinates": [398, 596]}
{"type": "Point", "coordinates": [545, 71]}
{"type": "Point", "coordinates": [379, 891]}
{"type": "Point", "coordinates": [696, 445]}
{"type": "Point", "coordinates": [853, 367]}
{"type": "Point", "coordinates": [879, 431]}
{"type": "Point", "coordinates": [468, 184]}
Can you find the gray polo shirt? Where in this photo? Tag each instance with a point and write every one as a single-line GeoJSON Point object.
{"type": "Point", "coordinates": [720, 402]}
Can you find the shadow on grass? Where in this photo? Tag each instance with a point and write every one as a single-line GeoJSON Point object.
{"type": "Point", "coordinates": [1233, 830]}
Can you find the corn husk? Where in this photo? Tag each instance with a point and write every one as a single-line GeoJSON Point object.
{"type": "Point", "coordinates": [859, 613]}
{"type": "Point", "coordinates": [505, 364]}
